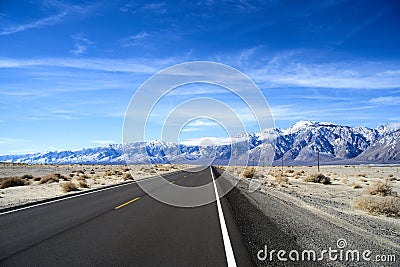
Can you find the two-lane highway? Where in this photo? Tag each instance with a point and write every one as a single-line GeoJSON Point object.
{"type": "Point", "coordinates": [122, 226]}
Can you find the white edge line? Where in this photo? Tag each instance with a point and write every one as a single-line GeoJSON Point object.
{"type": "Point", "coordinates": [78, 195]}
{"type": "Point", "coordinates": [230, 257]}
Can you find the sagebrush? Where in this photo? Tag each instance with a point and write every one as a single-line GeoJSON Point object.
{"type": "Point", "coordinates": [379, 205]}
{"type": "Point", "coordinates": [317, 178]}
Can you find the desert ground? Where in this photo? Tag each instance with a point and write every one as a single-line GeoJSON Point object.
{"type": "Point", "coordinates": [25, 183]}
{"type": "Point", "coordinates": [342, 186]}
{"type": "Point", "coordinates": [362, 200]}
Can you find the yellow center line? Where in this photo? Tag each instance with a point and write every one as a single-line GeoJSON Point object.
{"type": "Point", "coordinates": [126, 203]}
{"type": "Point", "coordinates": [171, 182]}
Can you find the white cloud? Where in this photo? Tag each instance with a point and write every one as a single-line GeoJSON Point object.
{"type": "Point", "coordinates": [35, 24]}
{"type": "Point", "coordinates": [102, 142]}
{"type": "Point", "coordinates": [200, 123]}
{"type": "Point", "coordinates": [5, 140]}
{"type": "Point", "coordinates": [386, 100]}
{"type": "Point", "coordinates": [134, 40]}
{"type": "Point", "coordinates": [112, 65]}
{"type": "Point", "coordinates": [333, 75]}
{"type": "Point", "coordinates": [81, 44]}
{"type": "Point", "coordinates": [155, 7]}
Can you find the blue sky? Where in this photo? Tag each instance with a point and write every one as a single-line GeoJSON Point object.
{"type": "Point", "coordinates": [69, 68]}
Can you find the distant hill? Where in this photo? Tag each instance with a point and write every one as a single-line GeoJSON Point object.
{"type": "Point", "coordinates": [298, 145]}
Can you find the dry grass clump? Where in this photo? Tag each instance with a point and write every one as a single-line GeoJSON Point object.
{"type": "Point", "coordinates": [380, 188]}
{"type": "Point", "coordinates": [249, 172]}
{"type": "Point", "coordinates": [51, 178]}
{"type": "Point", "coordinates": [298, 174]}
{"type": "Point", "coordinates": [317, 178]}
{"type": "Point", "coordinates": [281, 179]}
{"type": "Point", "coordinates": [355, 185]}
{"type": "Point", "coordinates": [362, 175]}
{"type": "Point", "coordinates": [127, 176]}
{"type": "Point", "coordinates": [27, 177]}
{"type": "Point", "coordinates": [68, 187]}
{"type": "Point", "coordinates": [13, 181]}
{"type": "Point", "coordinates": [378, 205]}
{"type": "Point", "coordinates": [83, 184]}
{"type": "Point", "coordinates": [108, 173]}
{"type": "Point", "coordinates": [289, 171]}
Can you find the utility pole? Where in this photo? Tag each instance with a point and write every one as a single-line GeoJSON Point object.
{"type": "Point", "coordinates": [318, 161]}
{"type": "Point", "coordinates": [282, 163]}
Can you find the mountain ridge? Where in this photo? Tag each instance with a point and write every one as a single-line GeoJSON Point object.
{"type": "Point", "coordinates": [298, 145]}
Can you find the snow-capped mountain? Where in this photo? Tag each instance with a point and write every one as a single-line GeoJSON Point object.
{"type": "Point", "coordinates": [298, 144]}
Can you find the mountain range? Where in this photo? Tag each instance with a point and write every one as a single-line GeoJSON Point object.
{"type": "Point", "coordinates": [297, 145]}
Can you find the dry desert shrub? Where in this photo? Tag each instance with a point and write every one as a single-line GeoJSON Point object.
{"type": "Point", "coordinates": [355, 185]}
{"type": "Point", "coordinates": [55, 177]}
{"type": "Point", "coordinates": [108, 173]}
{"type": "Point", "coordinates": [378, 205]}
{"type": "Point", "coordinates": [317, 178]}
{"type": "Point", "coordinates": [249, 172]}
{"type": "Point", "coordinates": [27, 177]}
{"type": "Point", "coordinates": [13, 181]}
{"type": "Point", "coordinates": [83, 184]}
{"type": "Point", "coordinates": [298, 174]}
{"type": "Point", "coordinates": [71, 175]}
{"type": "Point", "coordinates": [281, 179]}
{"type": "Point", "coordinates": [380, 188]}
{"type": "Point", "coordinates": [80, 178]}
{"type": "Point", "coordinates": [68, 187]}
{"type": "Point", "coordinates": [289, 171]}
{"type": "Point", "coordinates": [127, 176]}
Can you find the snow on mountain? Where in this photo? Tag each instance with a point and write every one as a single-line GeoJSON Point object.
{"type": "Point", "coordinates": [299, 144]}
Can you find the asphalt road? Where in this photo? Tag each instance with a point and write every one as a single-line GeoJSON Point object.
{"type": "Point", "coordinates": [121, 226]}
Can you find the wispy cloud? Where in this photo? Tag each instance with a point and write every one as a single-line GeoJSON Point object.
{"type": "Point", "coordinates": [81, 44]}
{"type": "Point", "coordinates": [385, 100]}
{"type": "Point", "coordinates": [134, 40]}
{"type": "Point", "coordinates": [334, 75]}
{"type": "Point", "coordinates": [35, 24]}
{"type": "Point", "coordinates": [134, 65]}
{"type": "Point", "coordinates": [293, 112]}
{"type": "Point", "coordinates": [155, 7]}
{"type": "Point", "coordinates": [5, 140]}
{"type": "Point", "coordinates": [199, 124]}
{"type": "Point", "coordinates": [134, 7]}
{"type": "Point", "coordinates": [102, 142]}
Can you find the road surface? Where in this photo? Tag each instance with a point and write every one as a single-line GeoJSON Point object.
{"type": "Point", "coordinates": [121, 226]}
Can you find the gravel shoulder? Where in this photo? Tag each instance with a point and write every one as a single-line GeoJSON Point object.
{"type": "Point", "coordinates": [312, 217]}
